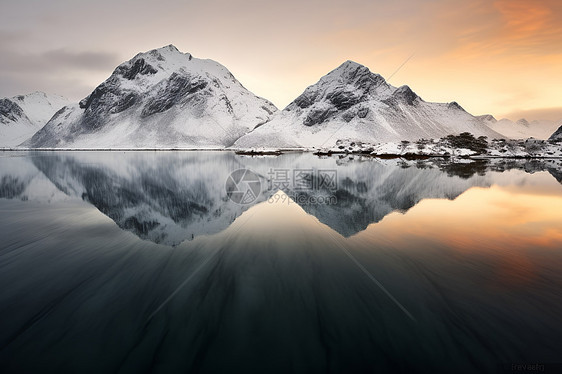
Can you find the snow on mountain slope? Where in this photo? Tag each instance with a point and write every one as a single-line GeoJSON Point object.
{"type": "Point", "coordinates": [39, 106]}
{"type": "Point", "coordinates": [21, 116]}
{"type": "Point", "coordinates": [352, 103]}
{"type": "Point", "coordinates": [521, 129]}
{"type": "Point", "coordinates": [161, 98]}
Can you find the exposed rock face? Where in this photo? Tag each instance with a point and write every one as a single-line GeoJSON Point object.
{"type": "Point", "coordinates": [353, 103]}
{"type": "Point", "coordinates": [159, 99]}
{"type": "Point", "coordinates": [173, 90]}
{"type": "Point", "coordinates": [338, 92]}
{"type": "Point", "coordinates": [405, 94]}
{"type": "Point", "coordinates": [10, 111]}
{"type": "Point", "coordinates": [454, 105]}
{"type": "Point", "coordinates": [139, 67]}
{"type": "Point", "coordinates": [557, 136]}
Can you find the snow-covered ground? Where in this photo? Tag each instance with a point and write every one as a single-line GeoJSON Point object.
{"type": "Point", "coordinates": [529, 148]}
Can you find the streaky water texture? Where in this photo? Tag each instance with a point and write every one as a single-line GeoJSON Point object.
{"type": "Point", "coordinates": [138, 262]}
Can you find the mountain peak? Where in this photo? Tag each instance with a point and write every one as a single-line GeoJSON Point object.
{"type": "Point", "coordinates": [168, 50]}
{"type": "Point", "coordinates": [487, 118]}
{"type": "Point", "coordinates": [350, 70]}
{"type": "Point", "coordinates": [349, 64]}
{"type": "Point", "coordinates": [183, 100]}
{"type": "Point", "coordinates": [33, 94]}
{"type": "Point", "coordinates": [354, 74]}
{"type": "Point", "coordinates": [456, 106]}
{"type": "Point", "coordinates": [170, 47]}
{"type": "Point", "coordinates": [168, 53]}
{"type": "Point", "coordinates": [345, 86]}
{"type": "Point", "coordinates": [153, 65]}
{"type": "Point", "coordinates": [406, 94]}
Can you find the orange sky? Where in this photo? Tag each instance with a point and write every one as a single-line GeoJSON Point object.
{"type": "Point", "coordinates": [493, 57]}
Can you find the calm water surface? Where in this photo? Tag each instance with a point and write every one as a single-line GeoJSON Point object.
{"type": "Point", "coordinates": [140, 262]}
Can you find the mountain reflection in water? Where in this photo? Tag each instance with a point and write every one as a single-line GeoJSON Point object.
{"type": "Point", "coordinates": [139, 262]}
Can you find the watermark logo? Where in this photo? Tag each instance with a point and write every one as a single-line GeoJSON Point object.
{"type": "Point", "coordinates": [302, 186]}
{"type": "Point", "coordinates": [243, 186]}
{"type": "Point", "coordinates": [302, 179]}
{"type": "Point", "coordinates": [302, 199]}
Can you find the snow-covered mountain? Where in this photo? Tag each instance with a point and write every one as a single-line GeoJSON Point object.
{"type": "Point", "coordinates": [557, 136]}
{"type": "Point", "coordinates": [352, 103]}
{"type": "Point", "coordinates": [161, 98]}
{"type": "Point", "coordinates": [521, 129]}
{"type": "Point", "coordinates": [21, 116]}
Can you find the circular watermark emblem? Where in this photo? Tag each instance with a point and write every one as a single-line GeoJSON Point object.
{"type": "Point", "coordinates": [243, 186]}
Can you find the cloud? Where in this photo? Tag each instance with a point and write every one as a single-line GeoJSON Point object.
{"type": "Point", "coordinates": [507, 28]}
{"type": "Point", "coordinates": [70, 87]}
{"type": "Point", "coordinates": [80, 60]}
{"type": "Point", "coordinates": [552, 114]}
{"type": "Point", "coordinates": [56, 60]}
{"type": "Point", "coordinates": [62, 71]}
{"type": "Point", "coordinates": [9, 39]}
{"type": "Point", "coordinates": [530, 23]}
{"type": "Point", "coordinates": [485, 54]}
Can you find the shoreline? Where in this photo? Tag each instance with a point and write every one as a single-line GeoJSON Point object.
{"type": "Point", "coordinates": [278, 152]}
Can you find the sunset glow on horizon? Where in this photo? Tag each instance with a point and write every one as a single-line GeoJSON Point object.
{"type": "Point", "coordinates": [507, 219]}
{"type": "Point", "coordinates": [500, 57]}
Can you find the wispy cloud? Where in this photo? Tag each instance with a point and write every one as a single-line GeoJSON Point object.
{"type": "Point", "coordinates": [56, 60]}
{"type": "Point", "coordinates": [552, 114]}
{"type": "Point", "coordinates": [470, 51]}
{"type": "Point", "coordinates": [530, 23]}
{"type": "Point", "coordinates": [63, 71]}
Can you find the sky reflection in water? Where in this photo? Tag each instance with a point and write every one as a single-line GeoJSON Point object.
{"type": "Point", "coordinates": [138, 262]}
